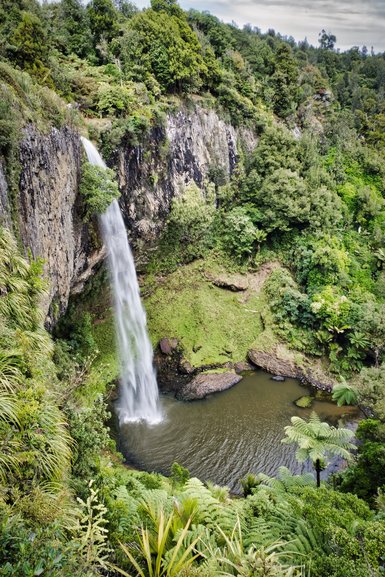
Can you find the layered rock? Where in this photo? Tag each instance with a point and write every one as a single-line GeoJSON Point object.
{"type": "Point", "coordinates": [192, 145]}
{"type": "Point", "coordinates": [50, 213]}
{"type": "Point", "coordinates": [285, 363]}
{"type": "Point", "coordinates": [5, 210]}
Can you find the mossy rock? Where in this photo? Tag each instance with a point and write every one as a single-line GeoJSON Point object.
{"type": "Point", "coordinates": [304, 402]}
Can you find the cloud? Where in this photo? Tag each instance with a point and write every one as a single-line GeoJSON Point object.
{"type": "Point", "coordinates": [354, 22]}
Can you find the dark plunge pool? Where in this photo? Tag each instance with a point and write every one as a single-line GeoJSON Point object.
{"type": "Point", "coordinates": [227, 435]}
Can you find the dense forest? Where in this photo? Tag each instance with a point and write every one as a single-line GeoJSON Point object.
{"type": "Point", "coordinates": [309, 197]}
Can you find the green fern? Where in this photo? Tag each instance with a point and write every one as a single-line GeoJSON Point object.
{"type": "Point", "coordinates": [286, 482]}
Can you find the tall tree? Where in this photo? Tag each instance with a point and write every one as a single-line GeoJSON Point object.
{"type": "Point", "coordinates": [30, 44]}
{"type": "Point", "coordinates": [76, 28]}
{"type": "Point", "coordinates": [326, 40]}
{"type": "Point", "coordinates": [103, 19]}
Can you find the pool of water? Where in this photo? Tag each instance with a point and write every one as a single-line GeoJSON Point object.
{"type": "Point", "coordinates": [226, 436]}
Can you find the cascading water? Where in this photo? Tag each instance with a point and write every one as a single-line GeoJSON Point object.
{"type": "Point", "coordinates": [139, 391]}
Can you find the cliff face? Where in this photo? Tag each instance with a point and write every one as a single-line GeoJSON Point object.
{"type": "Point", "coordinates": [191, 146]}
{"type": "Point", "coordinates": [50, 209]}
{"type": "Point", "coordinates": [194, 145]}
{"type": "Point", "coordinates": [5, 212]}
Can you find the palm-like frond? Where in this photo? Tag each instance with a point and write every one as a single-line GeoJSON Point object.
{"type": "Point", "coordinates": [344, 394]}
{"type": "Point", "coordinates": [161, 560]}
{"type": "Point", "coordinates": [317, 440]}
{"type": "Point", "coordinates": [286, 482]}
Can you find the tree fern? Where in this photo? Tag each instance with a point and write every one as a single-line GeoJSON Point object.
{"type": "Point", "coordinates": [317, 440]}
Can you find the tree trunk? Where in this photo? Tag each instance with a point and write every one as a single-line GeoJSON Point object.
{"type": "Point", "coordinates": [318, 472]}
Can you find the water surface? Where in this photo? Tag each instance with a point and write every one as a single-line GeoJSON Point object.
{"type": "Point", "coordinates": [226, 436]}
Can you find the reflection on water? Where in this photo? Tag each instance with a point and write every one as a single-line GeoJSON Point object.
{"type": "Point", "coordinates": [227, 435]}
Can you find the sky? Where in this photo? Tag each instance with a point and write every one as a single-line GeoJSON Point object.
{"type": "Point", "coordinates": [353, 22]}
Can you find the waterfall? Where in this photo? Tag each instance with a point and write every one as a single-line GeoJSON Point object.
{"type": "Point", "coordinates": [138, 388]}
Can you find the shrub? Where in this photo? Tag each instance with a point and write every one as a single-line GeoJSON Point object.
{"type": "Point", "coordinates": [98, 188]}
{"type": "Point", "coordinates": [239, 235]}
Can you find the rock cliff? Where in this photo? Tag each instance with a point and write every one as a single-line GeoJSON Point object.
{"type": "Point", "coordinates": [50, 213]}
{"type": "Point", "coordinates": [191, 146]}
{"type": "Point", "coordinates": [194, 144]}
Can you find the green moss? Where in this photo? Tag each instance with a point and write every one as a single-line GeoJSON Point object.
{"type": "Point", "coordinates": [304, 402]}
{"type": "Point", "coordinates": [105, 369]}
{"type": "Point", "coordinates": [213, 324]}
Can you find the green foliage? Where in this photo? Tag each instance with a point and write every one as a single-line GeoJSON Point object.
{"type": "Point", "coordinates": [30, 45]}
{"type": "Point", "coordinates": [88, 429]}
{"type": "Point", "coordinates": [370, 388]}
{"type": "Point", "coordinates": [36, 445]}
{"type": "Point", "coordinates": [189, 225]}
{"type": "Point", "coordinates": [27, 551]}
{"type": "Point", "coordinates": [365, 477]}
{"type": "Point", "coordinates": [344, 394]}
{"type": "Point", "coordinates": [167, 48]}
{"type": "Point", "coordinates": [294, 319]}
{"type": "Point", "coordinates": [179, 474]}
{"type": "Point", "coordinates": [75, 28]}
{"type": "Point", "coordinates": [103, 20]}
{"type": "Point", "coordinates": [284, 81]}
{"type": "Point", "coordinates": [91, 530]}
{"type": "Point", "coordinates": [163, 559]}
{"type": "Point", "coordinates": [239, 236]}
{"type": "Point", "coordinates": [249, 483]}
{"type": "Point", "coordinates": [313, 200]}
{"type": "Point", "coordinates": [317, 440]}
{"type": "Point", "coordinates": [98, 188]}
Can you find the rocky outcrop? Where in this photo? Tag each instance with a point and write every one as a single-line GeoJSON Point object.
{"type": "Point", "coordinates": [50, 214]}
{"type": "Point", "coordinates": [205, 384]}
{"type": "Point", "coordinates": [247, 283]}
{"type": "Point", "coordinates": [232, 282]}
{"type": "Point", "coordinates": [171, 373]}
{"type": "Point", "coordinates": [284, 363]}
{"type": "Point", "coordinates": [190, 147]}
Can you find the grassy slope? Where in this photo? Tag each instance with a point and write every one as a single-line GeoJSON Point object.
{"type": "Point", "coordinates": [213, 324]}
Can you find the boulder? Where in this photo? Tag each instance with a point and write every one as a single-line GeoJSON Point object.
{"type": "Point", "coordinates": [242, 366]}
{"type": "Point", "coordinates": [168, 346]}
{"type": "Point", "coordinates": [304, 402]}
{"type": "Point", "coordinates": [207, 383]}
{"type": "Point", "coordinates": [273, 364]}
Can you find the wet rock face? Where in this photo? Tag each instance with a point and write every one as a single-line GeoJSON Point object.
{"type": "Point", "coordinates": [50, 213]}
{"type": "Point", "coordinates": [192, 145]}
{"type": "Point", "coordinates": [168, 360]}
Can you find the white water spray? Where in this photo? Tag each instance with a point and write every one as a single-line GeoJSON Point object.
{"type": "Point", "coordinates": [139, 391]}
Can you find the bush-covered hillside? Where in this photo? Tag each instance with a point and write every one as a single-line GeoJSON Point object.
{"type": "Point", "coordinates": [309, 199]}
